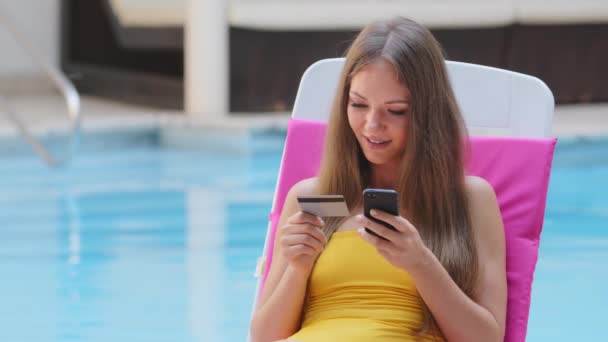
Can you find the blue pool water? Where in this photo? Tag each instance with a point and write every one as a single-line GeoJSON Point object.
{"type": "Point", "coordinates": [139, 241]}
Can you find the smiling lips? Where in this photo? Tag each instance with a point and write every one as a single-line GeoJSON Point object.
{"type": "Point", "coordinates": [377, 143]}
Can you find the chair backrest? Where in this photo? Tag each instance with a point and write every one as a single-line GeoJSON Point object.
{"type": "Point", "coordinates": [493, 101]}
{"type": "Point", "coordinates": [518, 168]}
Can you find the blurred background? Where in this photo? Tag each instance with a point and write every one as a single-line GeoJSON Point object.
{"type": "Point", "coordinates": [140, 142]}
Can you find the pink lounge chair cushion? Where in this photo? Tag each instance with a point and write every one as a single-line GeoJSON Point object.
{"type": "Point", "coordinates": [518, 169]}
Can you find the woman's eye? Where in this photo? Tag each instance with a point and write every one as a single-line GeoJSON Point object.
{"type": "Point", "coordinates": [397, 112]}
{"type": "Point", "coordinates": [357, 105]}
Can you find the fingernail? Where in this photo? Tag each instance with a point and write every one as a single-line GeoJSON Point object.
{"type": "Point", "coordinates": [373, 212]}
{"type": "Point", "coordinates": [321, 222]}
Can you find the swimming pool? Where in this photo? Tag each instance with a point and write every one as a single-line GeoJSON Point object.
{"type": "Point", "coordinates": [138, 240]}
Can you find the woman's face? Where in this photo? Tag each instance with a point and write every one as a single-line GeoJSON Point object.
{"type": "Point", "coordinates": [378, 112]}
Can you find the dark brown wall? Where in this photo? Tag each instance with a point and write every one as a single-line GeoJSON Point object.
{"type": "Point", "coordinates": [266, 66]}
{"type": "Point", "coordinates": [571, 59]}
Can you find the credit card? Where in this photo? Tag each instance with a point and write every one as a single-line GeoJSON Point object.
{"type": "Point", "coordinates": [324, 205]}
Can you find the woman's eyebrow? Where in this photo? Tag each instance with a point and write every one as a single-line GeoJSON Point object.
{"type": "Point", "coordinates": [357, 94]}
{"type": "Point", "coordinates": [352, 92]}
{"type": "Point", "coordinates": [397, 101]}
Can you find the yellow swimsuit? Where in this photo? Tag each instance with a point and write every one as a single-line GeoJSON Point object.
{"type": "Point", "coordinates": [354, 294]}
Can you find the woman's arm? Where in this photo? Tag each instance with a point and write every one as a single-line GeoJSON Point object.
{"type": "Point", "coordinates": [459, 317]}
{"type": "Point", "coordinates": [279, 317]}
{"type": "Point", "coordinates": [278, 311]}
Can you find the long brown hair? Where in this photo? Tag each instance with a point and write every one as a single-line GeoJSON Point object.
{"type": "Point", "coordinates": [431, 179]}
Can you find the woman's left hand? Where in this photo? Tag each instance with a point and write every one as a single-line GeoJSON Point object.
{"type": "Point", "coordinates": [402, 247]}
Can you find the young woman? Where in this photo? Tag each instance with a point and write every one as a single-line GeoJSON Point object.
{"type": "Point", "coordinates": [441, 274]}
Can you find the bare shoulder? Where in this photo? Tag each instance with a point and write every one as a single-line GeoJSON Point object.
{"type": "Point", "coordinates": [307, 186]}
{"type": "Point", "coordinates": [479, 190]}
{"type": "Point", "coordinates": [484, 211]}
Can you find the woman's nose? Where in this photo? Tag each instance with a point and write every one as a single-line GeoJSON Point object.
{"type": "Point", "coordinates": [374, 120]}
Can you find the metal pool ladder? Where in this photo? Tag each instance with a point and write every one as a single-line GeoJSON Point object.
{"type": "Point", "coordinates": [65, 86]}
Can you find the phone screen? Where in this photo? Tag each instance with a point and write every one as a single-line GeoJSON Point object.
{"type": "Point", "coordinates": [381, 199]}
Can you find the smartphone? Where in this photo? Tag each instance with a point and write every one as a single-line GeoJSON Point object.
{"type": "Point", "coordinates": [381, 199]}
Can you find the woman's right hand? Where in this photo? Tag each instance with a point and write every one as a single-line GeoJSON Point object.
{"type": "Point", "coordinates": [302, 240]}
